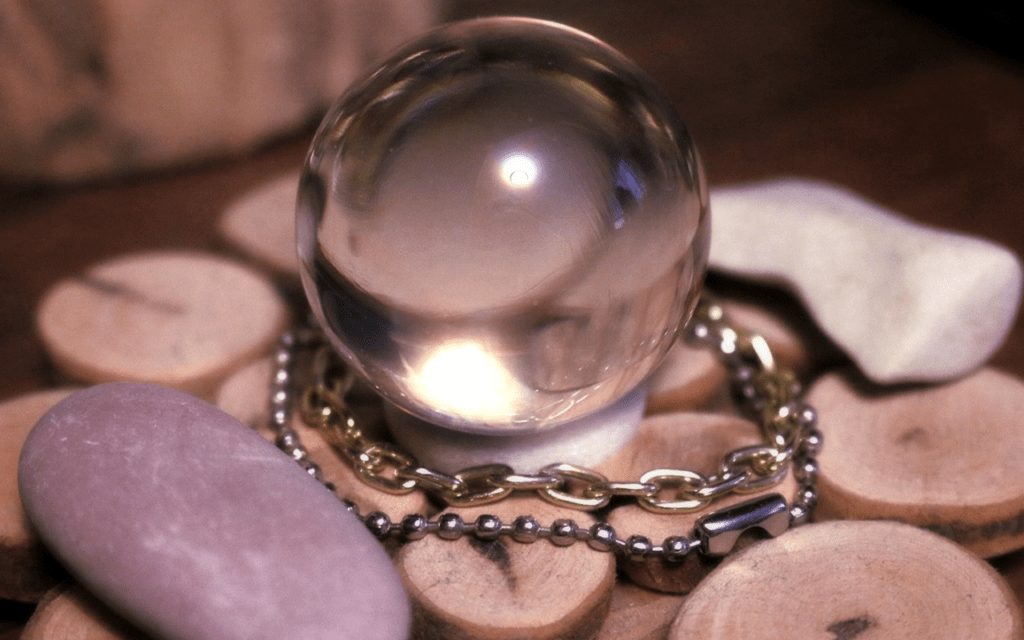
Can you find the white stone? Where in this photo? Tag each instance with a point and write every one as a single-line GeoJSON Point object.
{"type": "Point", "coordinates": [905, 301]}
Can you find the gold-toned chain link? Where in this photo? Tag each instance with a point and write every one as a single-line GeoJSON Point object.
{"type": "Point", "coordinates": [770, 394]}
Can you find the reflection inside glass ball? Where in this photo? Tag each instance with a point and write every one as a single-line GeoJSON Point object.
{"type": "Point", "coordinates": [503, 226]}
{"type": "Point", "coordinates": [519, 170]}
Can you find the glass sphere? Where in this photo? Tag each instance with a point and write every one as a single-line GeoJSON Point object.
{"type": "Point", "coordinates": [503, 226]}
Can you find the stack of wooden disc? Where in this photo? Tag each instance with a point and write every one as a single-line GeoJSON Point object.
{"type": "Point", "coordinates": [917, 485]}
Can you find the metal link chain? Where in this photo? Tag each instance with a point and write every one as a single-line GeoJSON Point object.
{"type": "Point", "coordinates": [768, 394]}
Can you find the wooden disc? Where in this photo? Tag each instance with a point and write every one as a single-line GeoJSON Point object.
{"type": "Point", "coordinates": [844, 579]}
{"type": "Point", "coordinates": [948, 457]}
{"type": "Point", "coordinates": [245, 395]}
{"type": "Point", "coordinates": [473, 589]}
{"type": "Point", "coordinates": [261, 224]}
{"type": "Point", "coordinates": [691, 378]}
{"type": "Point", "coordinates": [797, 343]}
{"type": "Point", "coordinates": [686, 379]}
{"type": "Point", "coordinates": [639, 614]}
{"type": "Point", "coordinates": [180, 319]}
{"type": "Point", "coordinates": [26, 570]}
{"type": "Point", "coordinates": [68, 612]}
{"type": "Point", "coordinates": [692, 441]}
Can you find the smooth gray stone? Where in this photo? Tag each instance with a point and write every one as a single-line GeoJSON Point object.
{"type": "Point", "coordinates": [193, 527]}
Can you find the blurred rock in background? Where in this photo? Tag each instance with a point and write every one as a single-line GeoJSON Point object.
{"type": "Point", "coordinates": [105, 88]}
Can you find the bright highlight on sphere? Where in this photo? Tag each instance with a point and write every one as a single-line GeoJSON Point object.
{"type": "Point", "coordinates": [519, 170]}
{"type": "Point", "coordinates": [503, 226]}
{"type": "Point", "coordinates": [467, 380]}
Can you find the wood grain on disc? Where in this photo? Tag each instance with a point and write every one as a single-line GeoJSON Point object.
{"type": "Point", "coordinates": [947, 457]}
{"type": "Point", "coordinates": [181, 319]}
{"type": "Point", "coordinates": [692, 441]}
{"type": "Point", "coordinates": [501, 589]}
{"type": "Point", "coordinates": [851, 580]}
{"type": "Point", "coordinates": [68, 612]}
{"type": "Point", "coordinates": [639, 614]}
{"type": "Point", "coordinates": [26, 570]}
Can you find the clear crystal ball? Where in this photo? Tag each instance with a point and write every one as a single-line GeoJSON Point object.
{"type": "Point", "coordinates": [503, 226]}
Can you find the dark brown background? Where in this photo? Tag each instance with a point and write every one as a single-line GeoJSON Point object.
{"type": "Point", "coordinates": [923, 114]}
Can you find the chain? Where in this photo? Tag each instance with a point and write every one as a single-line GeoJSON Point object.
{"type": "Point", "coordinates": [763, 391]}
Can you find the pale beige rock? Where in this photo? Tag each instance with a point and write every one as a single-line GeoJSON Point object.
{"type": "Point", "coordinates": [180, 319]}
{"type": "Point", "coordinates": [26, 571]}
{"type": "Point", "coordinates": [96, 88]}
{"type": "Point", "coordinates": [906, 302]}
{"type": "Point", "coordinates": [261, 224]}
{"type": "Point", "coordinates": [949, 457]}
{"type": "Point", "coordinates": [694, 442]}
{"type": "Point", "coordinates": [494, 590]}
{"type": "Point", "coordinates": [844, 579]}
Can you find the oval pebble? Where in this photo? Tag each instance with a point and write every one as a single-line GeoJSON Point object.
{"type": "Point", "coordinates": [192, 526]}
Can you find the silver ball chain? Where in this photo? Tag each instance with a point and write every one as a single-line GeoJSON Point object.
{"type": "Point", "coordinates": [772, 395]}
